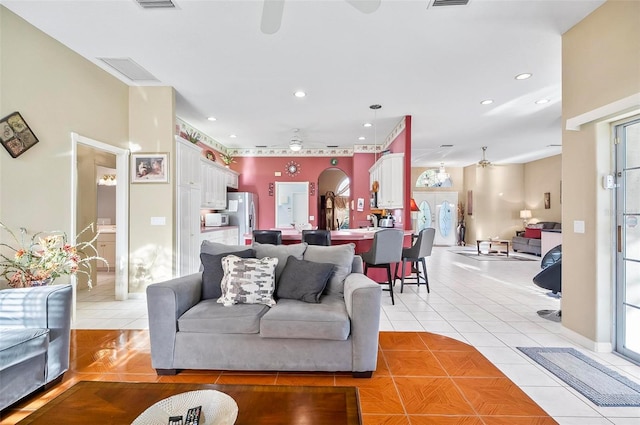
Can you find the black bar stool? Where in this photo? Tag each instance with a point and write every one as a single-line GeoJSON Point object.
{"type": "Point", "coordinates": [317, 237]}
{"type": "Point", "coordinates": [273, 237]}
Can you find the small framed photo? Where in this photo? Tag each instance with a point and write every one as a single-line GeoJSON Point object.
{"type": "Point", "coordinates": [360, 204]}
{"type": "Point", "coordinates": [15, 134]}
{"type": "Point", "coordinates": [150, 168]}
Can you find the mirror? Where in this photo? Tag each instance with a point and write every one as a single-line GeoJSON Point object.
{"type": "Point", "coordinates": [292, 203]}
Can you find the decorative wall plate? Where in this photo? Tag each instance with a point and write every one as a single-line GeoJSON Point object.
{"type": "Point", "coordinates": [210, 155]}
{"type": "Point", "coordinates": [292, 168]}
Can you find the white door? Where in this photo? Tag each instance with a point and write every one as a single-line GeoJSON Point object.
{"type": "Point", "coordinates": [442, 208]}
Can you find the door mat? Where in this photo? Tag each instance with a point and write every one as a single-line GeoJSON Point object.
{"type": "Point", "coordinates": [598, 383]}
{"type": "Point", "coordinates": [493, 257]}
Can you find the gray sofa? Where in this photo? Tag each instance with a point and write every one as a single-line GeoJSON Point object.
{"type": "Point", "coordinates": [340, 333]}
{"type": "Point", "coordinates": [533, 245]}
{"type": "Point", "coordinates": [35, 326]}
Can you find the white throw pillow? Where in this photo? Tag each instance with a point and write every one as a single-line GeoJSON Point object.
{"type": "Point", "coordinates": [248, 280]}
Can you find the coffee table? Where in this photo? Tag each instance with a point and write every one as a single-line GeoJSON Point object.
{"type": "Point", "coordinates": [90, 402]}
{"type": "Point", "coordinates": [500, 242]}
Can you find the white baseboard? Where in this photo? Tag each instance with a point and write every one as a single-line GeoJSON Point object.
{"type": "Point", "coordinates": [598, 347]}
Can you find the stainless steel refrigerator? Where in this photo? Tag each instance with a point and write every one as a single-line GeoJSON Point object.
{"type": "Point", "coordinates": [242, 208]}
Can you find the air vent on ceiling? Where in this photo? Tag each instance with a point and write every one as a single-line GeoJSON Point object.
{"type": "Point", "coordinates": [438, 3]}
{"type": "Point", "coordinates": [129, 69]}
{"type": "Point", "coordinates": [446, 146]}
{"type": "Point", "coordinates": [554, 146]}
{"type": "Point", "coordinates": [261, 146]}
{"type": "Point", "coordinates": [332, 146]}
{"type": "Point", "coordinates": [155, 4]}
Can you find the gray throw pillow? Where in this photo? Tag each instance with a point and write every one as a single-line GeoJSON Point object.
{"type": "Point", "coordinates": [341, 256]}
{"type": "Point", "coordinates": [215, 248]}
{"type": "Point", "coordinates": [213, 272]}
{"type": "Point", "coordinates": [281, 252]}
{"type": "Point", "coordinates": [303, 280]}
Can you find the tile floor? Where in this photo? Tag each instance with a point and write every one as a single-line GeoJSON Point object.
{"type": "Point", "coordinates": [490, 305]}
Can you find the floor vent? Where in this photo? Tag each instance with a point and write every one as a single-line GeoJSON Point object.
{"type": "Point", "coordinates": [438, 3]}
{"type": "Point", "coordinates": [129, 69]}
{"type": "Point", "coordinates": [155, 4]}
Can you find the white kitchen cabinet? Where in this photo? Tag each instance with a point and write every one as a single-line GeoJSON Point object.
{"type": "Point", "coordinates": [106, 247]}
{"type": "Point", "coordinates": [214, 185]}
{"type": "Point", "coordinates": [388, 171]}
{"type": "Point", "coordinates": [232, 179]}
{"type": "Point", "coordinates": [188, 198]}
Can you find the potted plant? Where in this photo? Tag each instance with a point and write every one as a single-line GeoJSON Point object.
{"type": "Point", "coordinates": [227, 159]}
{"type": "Point", "coordinates": [40, 259]}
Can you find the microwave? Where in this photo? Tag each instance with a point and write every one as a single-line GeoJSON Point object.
{"type": "Point", "coordinates": [216, 220]}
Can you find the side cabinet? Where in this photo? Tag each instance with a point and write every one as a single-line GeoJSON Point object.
{"type": "Point", "coordinates": [188, 198]}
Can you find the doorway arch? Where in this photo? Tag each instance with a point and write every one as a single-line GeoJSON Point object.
{"type": "Point", "coordinates": [335, 184]}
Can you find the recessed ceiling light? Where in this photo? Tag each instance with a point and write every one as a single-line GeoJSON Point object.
{"type": "Point", "coordinates": [233, 136]}
{"type": "Point", "coordinates": [212, 118]}
{"type": "Point", "coordinates": [523, 76]}
{"type": "Point", "coordinates": [367, 124]}
{"type": "Point", "coordinates": [542, 101]}
{"type": "Point", "coordinates": [299, 93]}
{"type": "Point", "coordinates": [487, 102]}
{"type": "Point", "coordinates": [361, 138]}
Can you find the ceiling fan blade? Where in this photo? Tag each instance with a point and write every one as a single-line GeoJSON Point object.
{"type": "Point", "coordinates": [271, 16]}
{"type": "Point", "coordinates": [365, 6]}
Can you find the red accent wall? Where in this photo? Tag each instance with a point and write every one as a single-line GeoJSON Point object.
{"type": "Point", "coordinates": [360, 186]}
{"type": "Point", "coordinates": [257, 172]}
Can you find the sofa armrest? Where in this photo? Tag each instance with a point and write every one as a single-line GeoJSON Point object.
{"type": "Point", "coordinates": [44, 307]}
{"type": "Point", "coordinates": [166, 302]}
{"type": "Point", "coordinates": [362, 297]}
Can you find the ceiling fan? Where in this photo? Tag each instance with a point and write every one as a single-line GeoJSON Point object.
{"type": "Point", "coordinates": [484, 162]}
{"type": "Point", "coordinates": [272, 12]}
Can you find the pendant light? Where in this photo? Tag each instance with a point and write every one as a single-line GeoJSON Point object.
{"type": "Point", "coordinates": [375, 108]}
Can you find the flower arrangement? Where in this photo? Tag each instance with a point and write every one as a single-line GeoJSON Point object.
{"type": "Point", "coordinates": [45, 256]}
{"type": "Point", "coordinates": [227, 158]}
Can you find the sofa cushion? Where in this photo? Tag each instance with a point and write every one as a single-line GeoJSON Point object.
{"type": "Point", "coordinates": [532, 233]}
{"type": "Point", "coordinates": [281, 252]}
{"type": "Point", "coordinates": [215, 248]}
{"type": "Point", "coordinates": [341, 256]}
{"type": "Point", "coordinates": [248, 280]}
{"type": "Point", "coordinates": [535, 242]}
{"type": "Point", "coordinates": [18, 345]}
{"type": "Point", "coordinates": [303, 280]}
{"type": "Point", "coordinates": [296, 319]}
{"type": "Point", "coordinates": [213, 273]}
{"type": "Point", "coordinates": [210, 317]}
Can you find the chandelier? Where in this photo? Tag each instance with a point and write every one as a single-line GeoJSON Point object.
{"type": "Point", "coordinates": [442, 174]}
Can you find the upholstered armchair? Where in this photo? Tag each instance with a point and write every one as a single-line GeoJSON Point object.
{"type": "Point", "coordinates": [35, 327]}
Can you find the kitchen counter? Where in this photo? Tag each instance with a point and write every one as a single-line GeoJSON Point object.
{"type": "Point", "coordinates": [205, 229]}
{"type": "Point", "coordinates": [362, 238]}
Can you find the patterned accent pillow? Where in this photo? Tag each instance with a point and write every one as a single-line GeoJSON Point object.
{"type": "Point", "coordinates": [248, 280]}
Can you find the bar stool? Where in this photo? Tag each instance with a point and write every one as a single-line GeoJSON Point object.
{"type": "Point", "coordinates": [386, 249]}
{"type": "Point", "coordinates": [416, 255]}
{"type": "Point", "coordinates": [273, 237]}
{"type": "Point", "coordinates": [317, 237]}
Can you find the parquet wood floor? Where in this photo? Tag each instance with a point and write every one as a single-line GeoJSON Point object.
{"type": "Point", "coordinates": [422, 379]}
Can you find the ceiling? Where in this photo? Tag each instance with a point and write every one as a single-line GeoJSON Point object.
{"type": "Point", "coordinates": [434, 63]}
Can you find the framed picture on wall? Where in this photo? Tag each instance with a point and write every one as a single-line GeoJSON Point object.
{"type": "Point", "coordinates": [150, 168]}
{"type": "Point", "coordinates": [15, 135]}
{"type": "Point", "coordinates": [469, 202]}
{"type": "Point", "coordinates": [360, 204]}
{"type": "Point", "coordinates": [547, 200]}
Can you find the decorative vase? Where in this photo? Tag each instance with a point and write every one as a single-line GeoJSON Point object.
{"type": "Point", "coordinates": [461, 233]}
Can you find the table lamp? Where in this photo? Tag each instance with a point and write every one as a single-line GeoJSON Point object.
{"type": "Point", "coordinates": [414, 213]}
{"type": "Point", "coordinates": [525, 215]}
